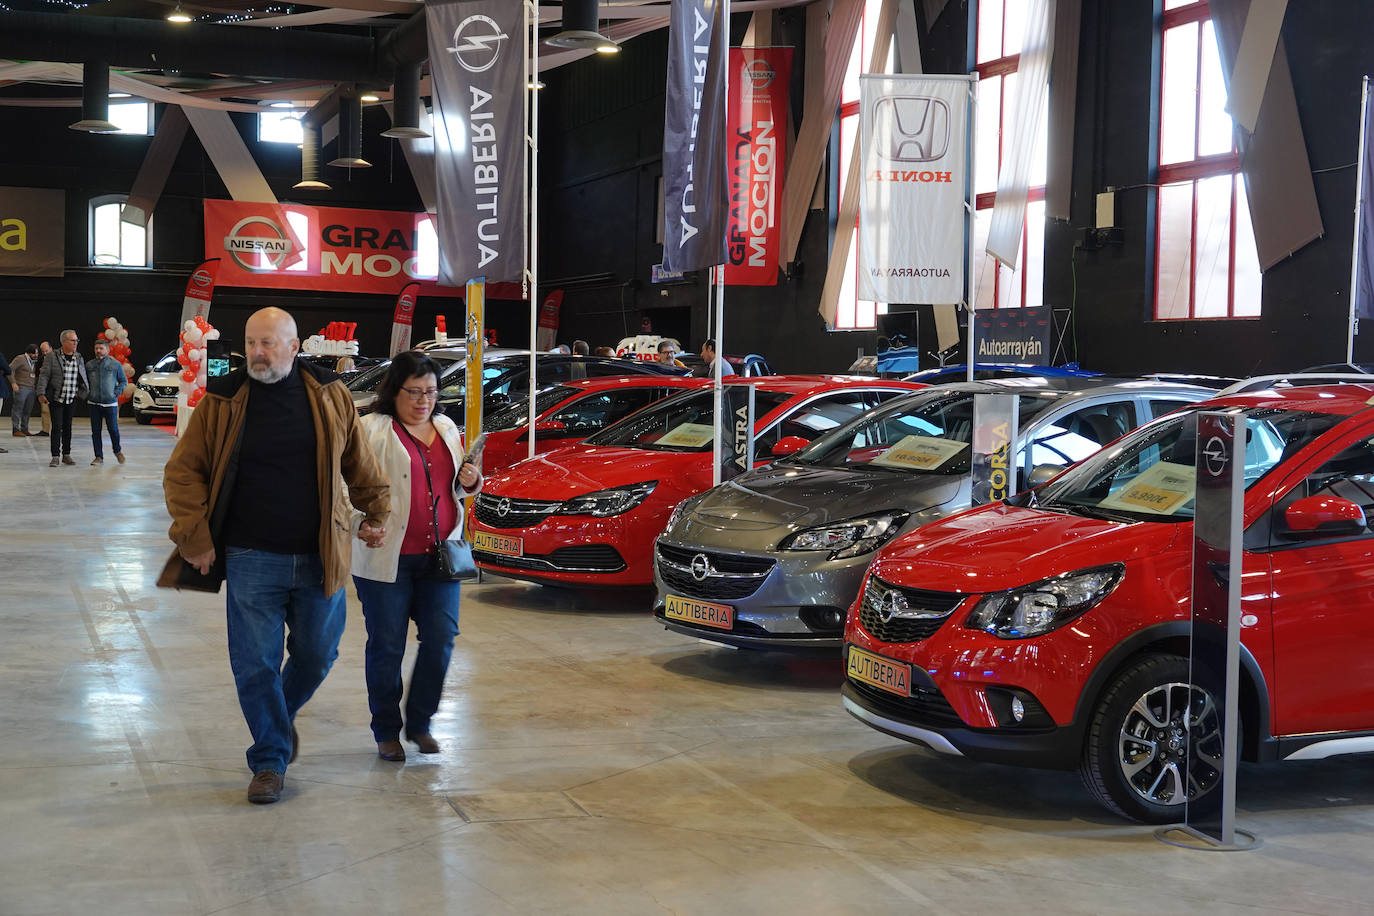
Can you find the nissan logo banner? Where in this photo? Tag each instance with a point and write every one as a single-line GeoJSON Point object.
{"type": "Point", "coordinates": [757, 138]}
{"type": "Point", "coordinates": [914, 140]}
{"type": "Point", "coordinates": [694, 189]}
{"type": "Point", "coordinates": [477, 53]}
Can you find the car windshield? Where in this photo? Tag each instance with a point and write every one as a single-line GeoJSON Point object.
{"type": "Point", "coordinates": [369, 379]}
{"type": "Point", "coordinates": [517, 413]}
{"type": "Point", "coordinates": [680, 424]}
{"type": "Point", "coordinates": [926, 433]}
{"type": "Point", "coordinates": [1150, 475]}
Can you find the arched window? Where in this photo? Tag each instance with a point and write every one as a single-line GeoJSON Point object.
{"type": "Point", "coordinates": [115, 243]}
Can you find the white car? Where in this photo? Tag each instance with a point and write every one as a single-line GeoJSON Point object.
{"type": "Point", "coordinates": [155, 391]}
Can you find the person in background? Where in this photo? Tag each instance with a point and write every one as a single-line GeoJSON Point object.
{"type": "Point", "coordinates": [61, 384]}
{"type": "Point", "coordinates": [667, 354]}
{"type": "Point", "coordinates": [106, 377]}
{"type": "Point", "coordinates": [7, 387]}
{"type": "Point", "coordinates": [44, 415]}
{"type": "Point", "coordinates": [605, 351]}
{"type": "Point", "coordinates": [581, 348]}
{"type": "Point", "coordinates": [25, 369]}
{"type": "Point", "coordinates": [294, 434]}
{"type": "Point", "coordinates": [708, 368]}
{"type": "Point", "coordinates": [413, 442]}
{"type": "Point", "coordinates": [344, 364]}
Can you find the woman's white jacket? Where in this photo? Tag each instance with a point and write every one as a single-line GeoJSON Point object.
{"type": "Point", "coordinates": [380, 563]}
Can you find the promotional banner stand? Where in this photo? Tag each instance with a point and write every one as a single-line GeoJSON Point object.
{"type": "Point", "coordinates": [992, 468]}
{"type": "Point", "coordinates": [1213, 730]}
{"type": "Point", "coordinates": [1361, 242]}
{"type": "Point", "coordinates": [970, 211]}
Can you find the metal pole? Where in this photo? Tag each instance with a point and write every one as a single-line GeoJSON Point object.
{"type": "Point", "coordinates": [718, 388]}
{"type": "Point", "coordinates": [970, 204]}
{"type": "Point", "coordinates": [1359, 216]}
{"type": "Point", "coordinates": [532, 272]}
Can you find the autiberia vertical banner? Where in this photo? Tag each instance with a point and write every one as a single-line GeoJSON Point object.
{"type": "Point", "coordinates": [755, 141]}
{"type": "Point", "coordinates": [913, 136]}
{"type": "Point", "coordinates": [696, 196]}
{"type": "Point", "coordinates": [477, 51]}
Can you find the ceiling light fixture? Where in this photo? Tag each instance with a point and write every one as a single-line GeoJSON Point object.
{"type": "Point", "coordinates": [370, 98]}
{"type": "Point", "coordinates": [405, 104]}
{"type": "Point", "coordinates": [580, 29]}
{"type": "Point", "coordinates": [120, 95]}
{"type": "Point", "coordinates": [95, 99]}
{"type": "Point", "coordinates": [282, 105]}
{"type": "Point", "coordinates": [178, 15]}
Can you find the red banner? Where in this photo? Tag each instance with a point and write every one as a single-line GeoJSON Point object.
{"type": "Point", "coordinates": [403, 318]}
{"type": "Point", "coordinates": [755, 138]}
{"type": "Point", "coordinates": [346, 250]}
{"type": "Point", "coordinates": [200, 289]}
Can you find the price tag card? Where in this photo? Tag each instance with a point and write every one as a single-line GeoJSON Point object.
{"type": "Point", "coordinates": [921, 453]}
{"type": "Point", "coordinates": [1161, 489]}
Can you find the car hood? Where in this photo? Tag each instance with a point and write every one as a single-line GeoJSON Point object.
{"type": "Point", "coordinates": [757, 510]}
{"type": "Point", "coordinates": [167, 379]}
{"type": "Point", "coordinates": [999, 546]}
{"type": "Point", "coordinates": [577, 470]}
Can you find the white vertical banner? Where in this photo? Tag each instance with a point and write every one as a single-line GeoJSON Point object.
{"type": "Point", "coordinates": [913, 136]}
{"type": "Point", "coordinates": [1028, 108]}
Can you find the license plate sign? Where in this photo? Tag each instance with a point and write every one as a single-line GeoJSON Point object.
{"type": "Point", "coordinates": [876, 671]}
{"type": "Point", "coordinates": [701, 613]}
{"type": "Point", "coordinates": [498, 543]}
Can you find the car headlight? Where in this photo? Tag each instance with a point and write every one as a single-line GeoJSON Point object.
{"type": "Point", "coordinates": [849, 538]}
{"type": "Point", "coordinates": [604, 503]}
{"type": "Point", "coordinates": [1038, 608]}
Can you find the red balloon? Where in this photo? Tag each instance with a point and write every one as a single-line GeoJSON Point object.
{"type": "Point", "coordinates": [188, 375]}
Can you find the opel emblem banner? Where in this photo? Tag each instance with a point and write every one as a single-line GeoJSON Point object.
{"type": "Point", "coordinates": [913, 140]}
{"type": "Point", "coordinates": [694, 188]}
{"type": "Point", "coordinates": [477, 52]}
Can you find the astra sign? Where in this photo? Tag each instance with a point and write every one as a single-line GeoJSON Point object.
{"type": "Point", "coordinates": [343, 250]}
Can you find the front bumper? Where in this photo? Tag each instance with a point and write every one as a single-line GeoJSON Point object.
{"type": "Point", "coordinates": [145, 402]}
{"type": "Point", "coordinates": [575, 550]}
{"type": "Point", "coordinates": [798, 603]}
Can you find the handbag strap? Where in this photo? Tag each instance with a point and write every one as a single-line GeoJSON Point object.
{"type": "Point", "coordinates": [429, 481]}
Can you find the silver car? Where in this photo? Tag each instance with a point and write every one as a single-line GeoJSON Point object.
{"type": "Point", "coordinates": [774, 558]}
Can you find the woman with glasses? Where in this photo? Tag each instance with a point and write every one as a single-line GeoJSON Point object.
{"type": "Point", "coordinates": [421, 453]}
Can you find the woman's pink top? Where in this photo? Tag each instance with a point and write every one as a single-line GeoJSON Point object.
{"type": "Point", "coordinates": [419, 536]}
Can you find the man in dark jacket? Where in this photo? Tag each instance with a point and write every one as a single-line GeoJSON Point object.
{"type": "Point", "coordinates": [61, 384]}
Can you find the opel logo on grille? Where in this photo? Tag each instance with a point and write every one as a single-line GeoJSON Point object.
{"type": "Point", "coordinates": [701, 567]}
{"type": "Point", "coordinates": [891, 605]}
{"type": "Point", "coordinates": [503, 507]}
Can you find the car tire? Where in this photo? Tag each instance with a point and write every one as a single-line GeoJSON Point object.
{"type": "Point", "coordinates": [141, 418]}
{"type": "Point", "coordinates": [1136, 740]}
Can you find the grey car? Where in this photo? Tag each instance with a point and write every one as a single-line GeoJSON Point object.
{"type": "Point", "coordinates": [773, 558]}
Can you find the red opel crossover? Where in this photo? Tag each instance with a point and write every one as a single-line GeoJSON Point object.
{"type": "Point", "coordinates": [588, 515]}
{"type": "Point", "coordinates": [1052, 629]}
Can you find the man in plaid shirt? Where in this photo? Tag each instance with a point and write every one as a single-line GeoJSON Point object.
{"type": "Point", "coordinates": [61, 383]}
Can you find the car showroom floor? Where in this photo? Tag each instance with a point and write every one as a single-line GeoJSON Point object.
{"type": "Point", "coordinates": [593, 763]}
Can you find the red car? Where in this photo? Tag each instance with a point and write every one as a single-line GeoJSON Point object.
{"type": "Point", "coordinates": [1052, 629]}
{"type": "Point", "coordinates": [568, 413]}
{"type": "Point", "coordinates": [588, 515]}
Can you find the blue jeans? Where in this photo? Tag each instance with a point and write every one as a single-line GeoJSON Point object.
{"type": "Point", "coordinates": [266, 593]}
{"type": "Point", "coordinates": [24, 399]}
{"type": "Point", "coordinates": [388, 608]}
{"type": "Point", "coordinates": [110, 417]}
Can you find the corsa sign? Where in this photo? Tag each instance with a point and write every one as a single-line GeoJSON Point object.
{"type": "Point", "coordinates": [341, 250]}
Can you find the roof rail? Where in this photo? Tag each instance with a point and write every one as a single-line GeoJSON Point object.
{"type": "Point", "coordinates": [1296, 379]}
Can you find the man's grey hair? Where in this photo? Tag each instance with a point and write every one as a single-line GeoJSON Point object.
{"type": "Point", "coordinates": [63, 335]}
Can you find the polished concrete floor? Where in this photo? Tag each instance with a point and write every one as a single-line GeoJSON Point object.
{"type": "Point", "coordinates": [592, 763]}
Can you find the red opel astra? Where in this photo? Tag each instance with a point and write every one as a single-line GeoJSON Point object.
{"type": "Point", "coordinates": [1052, 629]}
{"type": "Point", "coordinates": [588, 515]}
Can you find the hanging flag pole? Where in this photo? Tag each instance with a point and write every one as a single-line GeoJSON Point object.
{"type": "Point", "coordinates": [718, 384]}
{"type": "Point", "coordinates": [1353, 327]}
{"type": "Point", "coordinates": [532, 272]}
{"type": "Point", "coordinates": [970, 211]}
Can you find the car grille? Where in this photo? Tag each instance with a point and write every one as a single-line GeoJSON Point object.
{"type": "Point", "coordinates": [594, 558]}
{"type": "Point", "coordinates": [520, 513]}
{"type": "Point", "coordinates": [728, 576]}
{"type": "Point", "coordinates": [928, 611]}
{"type": "Point", "coordinates": [925, 706]}
{"type": "Point", "coordinates": [163, 391]}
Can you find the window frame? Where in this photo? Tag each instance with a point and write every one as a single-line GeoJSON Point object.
{"type": "Point", "coordinates": [105, 200]}
{"type": "Point", "coordinates": [1191, 172]}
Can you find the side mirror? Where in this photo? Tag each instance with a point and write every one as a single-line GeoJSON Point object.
{"type": "Point", "coordinates": [1324, 516]}
{"type": "Point", "coordinates": [788, 445]}
{"type": "Point", "coordinates": [1042, 473]}
{"type": "Point", "coordinates": [148, 368]}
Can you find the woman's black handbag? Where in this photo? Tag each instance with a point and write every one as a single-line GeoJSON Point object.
{"type": "Point", "coordinates": [452, 559]}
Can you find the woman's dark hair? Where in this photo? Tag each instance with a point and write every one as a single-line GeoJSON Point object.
{"type": "Point", "coordinates": [403, 368]}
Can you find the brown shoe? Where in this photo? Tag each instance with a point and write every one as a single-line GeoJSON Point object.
{"type": "Point", "coordinates": [391, 750]}
{"type": "Point", "coordinates": [119, 456]}
{"type": "Point", "coordinates": [67, 459]}
{"type": "Point", "coordinates": [266, 787]}
{"type": "Point", "coordinates": [424, 743]}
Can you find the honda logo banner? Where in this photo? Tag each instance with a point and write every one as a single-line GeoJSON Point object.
{"type": "Point", "coordinates": [914, 159]}
{"type": "Point", "coordinates": [696, 197]}
{"type": "Point", "coordinates": [477, 56]}
{"type": "Point", "coordinates": [756, 133]}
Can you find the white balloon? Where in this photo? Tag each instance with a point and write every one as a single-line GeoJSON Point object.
{"type": "Point", "coordinates": [212, 334]}
{"type": "Point", "coordinates": [192, 336]}
{"type": "Point", "coordinates": [188, 325]}
{"type": "Point", "coordinates": [110, 334]}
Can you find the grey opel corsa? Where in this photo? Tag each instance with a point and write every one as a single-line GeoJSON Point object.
{"type": "Point", "coordinates": [774, 558]}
